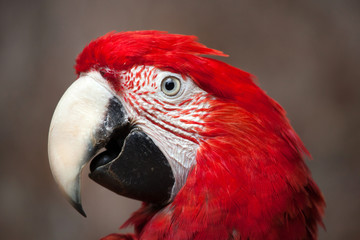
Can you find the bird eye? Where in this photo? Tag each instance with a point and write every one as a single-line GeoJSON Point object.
{"type": "Point", "coordinates": [170, 85]}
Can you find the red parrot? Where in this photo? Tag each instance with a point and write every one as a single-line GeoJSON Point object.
{"type": "Point", "coordinates": [209, 154]}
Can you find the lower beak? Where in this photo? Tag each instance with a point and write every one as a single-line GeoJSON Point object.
{"type": "Point", "coordinates": [90, 123]}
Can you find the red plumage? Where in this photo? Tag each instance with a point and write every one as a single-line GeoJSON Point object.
{"type": "Point", "coordinates": [250, 180]}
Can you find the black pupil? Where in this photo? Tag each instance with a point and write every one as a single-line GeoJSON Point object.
{"type": "Point", "coordinates": [169, 84]}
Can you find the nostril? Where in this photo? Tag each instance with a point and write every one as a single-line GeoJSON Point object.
{"type": "Point", "coordinates": [102, 72]}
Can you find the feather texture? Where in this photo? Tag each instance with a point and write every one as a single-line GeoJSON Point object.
{"type": "Point", "coordinates": [250, 180]}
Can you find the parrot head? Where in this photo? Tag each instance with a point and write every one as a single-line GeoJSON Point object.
{"type": "Point", "coordinates": [206, 150]}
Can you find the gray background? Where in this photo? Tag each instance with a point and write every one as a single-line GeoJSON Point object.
{"type": "Point", "coordinates": [304, 53]}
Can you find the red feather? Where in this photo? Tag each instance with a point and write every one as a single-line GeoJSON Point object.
{"type": "Point", "coordinates": [250, 180]}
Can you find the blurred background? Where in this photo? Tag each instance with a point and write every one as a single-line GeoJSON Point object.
{"type": "Point", "coordinates": [306, 55]}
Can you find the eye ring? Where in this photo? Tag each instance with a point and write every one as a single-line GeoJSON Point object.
{"type": "Point", "coordinates": [170, 85]}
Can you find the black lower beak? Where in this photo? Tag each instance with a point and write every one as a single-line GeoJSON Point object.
{"type": "Point", "coordinates": [133, 166]}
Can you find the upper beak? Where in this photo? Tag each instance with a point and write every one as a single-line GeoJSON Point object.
{"type": "Point", "coordinates": [81, 126]}
{"type": "Point", "coordinates": [90, 123]}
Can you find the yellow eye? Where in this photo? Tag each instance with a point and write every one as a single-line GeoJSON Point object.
{"type": "Point", "coordinates": [170, 85]}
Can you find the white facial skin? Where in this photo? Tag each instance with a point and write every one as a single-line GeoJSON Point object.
{"type": "Point", "coordinates": [172, 119]}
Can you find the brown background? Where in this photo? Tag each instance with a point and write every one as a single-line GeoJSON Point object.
{"type": "Point", "coordinates": [305, 54]}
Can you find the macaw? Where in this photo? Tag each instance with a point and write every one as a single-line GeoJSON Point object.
{"type": "Point", "coordinates": [209, 153]}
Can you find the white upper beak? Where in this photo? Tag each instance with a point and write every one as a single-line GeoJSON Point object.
{"type": "Point", "coordinates": [72, 135]}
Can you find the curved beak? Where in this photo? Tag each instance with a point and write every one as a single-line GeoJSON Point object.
{"type": "Point", "coordinates": [91, 124]}
{"type": "Point", "coordinates": [81, 125]}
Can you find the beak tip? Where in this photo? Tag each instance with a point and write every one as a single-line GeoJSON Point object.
{"type": "Point", "coordinates": [78, 208]}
